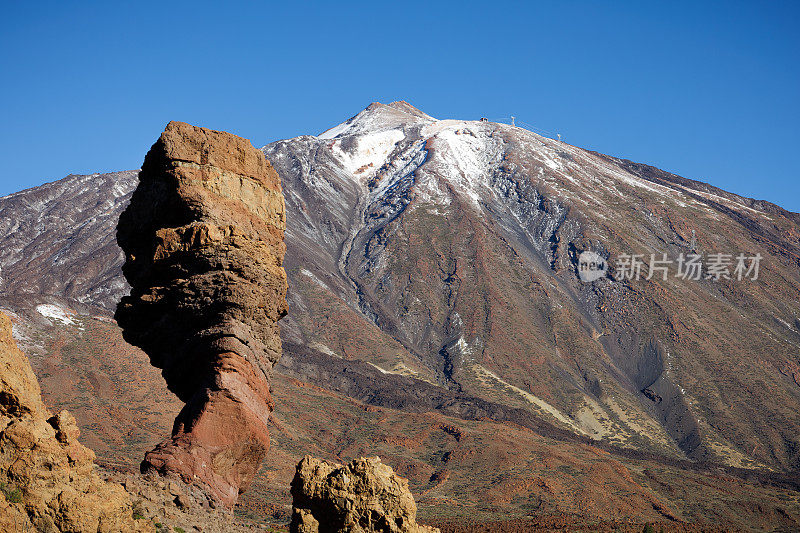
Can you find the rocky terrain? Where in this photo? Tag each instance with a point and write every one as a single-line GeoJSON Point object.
{"type": "Point", "coordinates": [50, 483]}
{"type": "Point", "coordinates": [364, 495]}
{"type": "Point", "coordinates": [203, 238]}
{"type": "Point", "coordinates": [47, 477]}
{"type": "Point", "coordinates": [451, 462]}
{"type": "Point", "coordinates": [436, 319]}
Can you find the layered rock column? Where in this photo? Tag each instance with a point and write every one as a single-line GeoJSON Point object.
{"type": "Point", "coordinates": [203, 239]}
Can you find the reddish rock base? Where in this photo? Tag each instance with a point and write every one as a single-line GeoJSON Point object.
{"type": "Point", "coordinates": [221, 445]}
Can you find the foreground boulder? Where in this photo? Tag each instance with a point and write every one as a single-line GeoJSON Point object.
{"type": "Point", "coordinates": [48, 479]}
{"type": "Point", "coordinates": [363, 496]}
{"type": "Point", "coordinates": [203, 239]}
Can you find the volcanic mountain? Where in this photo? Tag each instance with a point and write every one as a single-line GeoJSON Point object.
{"type": "Point", "coordinates": [447, 251]}
{"type": "Point", "coordinates": [433, 267]}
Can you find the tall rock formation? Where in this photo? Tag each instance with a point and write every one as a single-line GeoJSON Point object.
{"type": "Point", "coordinates": [203, 240]}
{"type": "Point", "coordinates": [47, 478]}
{"type": "Point", "coordinates": [361, 497]}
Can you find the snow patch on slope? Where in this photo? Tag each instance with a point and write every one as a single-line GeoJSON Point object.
{"type": "Point", "coordinates": [465, 154]}
{"type": "Point", "coordinates": [56, 312]}
{"type": "Point", "coordinates": [314, 278]}
{"type": "Point", "coordinates": [368, 153]}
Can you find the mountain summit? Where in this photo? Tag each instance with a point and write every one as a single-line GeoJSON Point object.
{"type": "Point", "coordinates": [379, 117]}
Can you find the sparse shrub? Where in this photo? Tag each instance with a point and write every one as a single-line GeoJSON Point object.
{"type": "Point", "coordinates": [648, 529]}
{"type": "Point", "coordinates": [44, 524]}
{"type": "Point", "coordinates": [138, 510]}
{"type": "Point", "coordinates": [179, 529]}
{"type": "Point", "coordinates": [12, 494]}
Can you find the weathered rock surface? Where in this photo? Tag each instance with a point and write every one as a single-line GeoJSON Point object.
{"type": "Point", "coordinates": [48, 478]}
{"type": "Point", "coordinates": [365, 495]}
{"type": "Point", "coordinates": [203, 239]}
{"type": "Point", "coordinates": [169, 505]}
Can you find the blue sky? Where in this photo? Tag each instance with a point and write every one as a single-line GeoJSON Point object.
{"type": "Point", "coordinates": [708, 90]}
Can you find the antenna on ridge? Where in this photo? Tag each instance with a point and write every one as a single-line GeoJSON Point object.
{"type": "Point", "coordinates": [559, 137]}
{"type": "Point", "coordinates": [512, 121]}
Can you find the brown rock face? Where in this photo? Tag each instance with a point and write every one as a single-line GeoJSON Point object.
{"type": "Point", "coordinates": [47, 477]}
{"type": "Point", "coordinates": [203, 239]}
{"type": "Point", "coordinates": [363, 496]}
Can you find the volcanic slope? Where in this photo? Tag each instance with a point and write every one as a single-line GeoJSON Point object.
{"type": "Point", "coordinates": [446, 250]}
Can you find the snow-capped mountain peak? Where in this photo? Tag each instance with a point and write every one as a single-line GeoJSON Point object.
{"type": "Point", "coordinates": [378, 117]}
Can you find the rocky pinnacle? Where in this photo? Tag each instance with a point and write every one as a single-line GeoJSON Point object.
{"type": "Point", "coordinates": [203, 243]}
